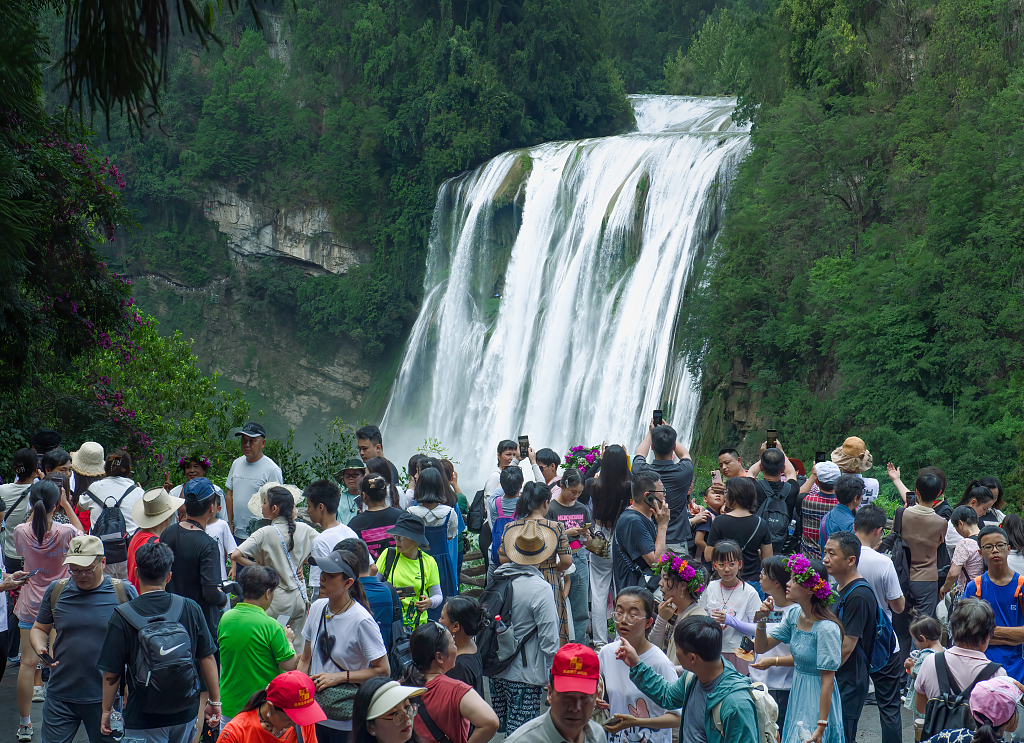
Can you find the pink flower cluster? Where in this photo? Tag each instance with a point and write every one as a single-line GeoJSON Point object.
{"type": "Point", "coordinates": [800, 568]}
{"type": "Point", "coordinates": [680, 566]}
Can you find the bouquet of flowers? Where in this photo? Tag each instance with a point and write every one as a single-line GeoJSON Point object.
{"type": "Point", "coordinates": [582, 457]}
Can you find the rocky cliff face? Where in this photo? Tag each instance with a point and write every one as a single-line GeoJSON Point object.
{"type": "Point", "coordinates": [254, 230]}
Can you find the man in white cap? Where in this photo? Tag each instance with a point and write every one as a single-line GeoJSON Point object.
{"type": "Point", "coordinates": [247, 475]}
{"type": "Point", "coordinates": [79, 609]}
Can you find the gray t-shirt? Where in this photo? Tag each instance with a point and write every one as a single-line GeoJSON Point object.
{"type": "Point", "coordinates": [10, 494]}
{"type": "Point", "coordinates": [81, 622]}
{"type": "Point", "coordinates": [696, 712]}
{"type": "Point", "coordinates": [244, 479]}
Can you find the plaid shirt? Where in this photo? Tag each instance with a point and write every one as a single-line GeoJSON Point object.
{"type": "Point", "coordinates": [814, 507]}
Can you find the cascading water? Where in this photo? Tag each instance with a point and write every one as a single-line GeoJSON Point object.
{"type": "Point", "coordinates": [555, 277]}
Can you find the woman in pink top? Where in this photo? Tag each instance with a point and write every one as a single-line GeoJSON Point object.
{"type": "Point", "coordinates": [43, 544]}
{"type": "Point", "coordinates": [967, 562]}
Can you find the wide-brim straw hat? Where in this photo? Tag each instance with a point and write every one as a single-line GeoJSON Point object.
{"type": "Point", "coordinates": [88, 460]}
{"type": "Point", "coordinates": [154, 508]}
{"type": "Point", "coordinates": [529, 542]}
{"type": "Point", "coordinates": [259, 498]}
{"type": "Point", "coordinates": [852, 456]}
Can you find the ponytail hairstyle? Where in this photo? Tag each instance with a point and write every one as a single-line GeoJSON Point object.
{"type": "Point", "coordinates": [282, 498]}
{"type": "Point", "coordinates": [381, 466]}
{"type": "Point", "coordinates": [570, 478]}
{"type": "Point", "coordinates": [467, 612]}
{"type": "Point", "coordinates": [426, 642]}
{"type": "Point", "coordinates": [987, 732]}
{"type": "Point", "coordinates": [258, 698]}
{"type": "Point", "coordinates": [533, 496]}
{"type": "Point", "coordinates": [356, 590]}
{"type": "Point", "coordinates": [963, 515]}
{"type": "Point", "coordinates": [374, 488]}
{"type": "Point", "coordinates": [977, 492]}
{"type": "Point", "coordinates": [25, 463]}
{"type": "Point", "coordinates": [118, 464]}
{"type": "Point", "coordinates": [43, 497]}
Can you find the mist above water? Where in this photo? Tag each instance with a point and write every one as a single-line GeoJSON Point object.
{"type": "Point", "coordinates": [555, 279]}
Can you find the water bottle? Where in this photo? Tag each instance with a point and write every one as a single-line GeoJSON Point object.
{"type": "Point", "coordinates": [116, 725]}
{"type": "Point", "coordinates": [913, 657]}
{"type": "Point", "coordinates": [801, 732]}
{"type": "Point", "coordinates": [792, 527]}
{"type": "Point", "coordinates": [506, 639]}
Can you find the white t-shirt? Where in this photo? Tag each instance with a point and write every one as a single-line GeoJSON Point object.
{"type": "Point", "coordinates": [109, 490]}
{"type": "Point", "coordinates": [775, 677]}
{"type": "Point", "coordinates": [323, 545]}
{"type": "Point", "coordinates": [741, 601]}
{"type": "Point", "coordinates": [436, 517]}
{"type": "Point", "coordinates": [357, 644]}
{"type": "Point", "coordinates": [10, 493]}
{"type": "Point", "coordinates": [175, 492]}
{"type": "Point", "coordinates": [878, 570]}
{"type": "Point", "coordinates": [625, 699]}
{"type": "Point", "coordinates": [870, 490]}
{"type": "Point", "coordinates": [244, 479]}
{"type": "Point", "coordinates": [952, 538]}
{"type": "Point", "coordinates": [221, 532]}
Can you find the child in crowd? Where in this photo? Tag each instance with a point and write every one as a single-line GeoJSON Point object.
{"type": "Point", "coordinates": [221, 532]}
{"type": "Point", "coordinates": [714, 500]}
{"type": "Point", "coordinates": [926, 632]}
{"type": "Point", "coordinates": [730, 596]}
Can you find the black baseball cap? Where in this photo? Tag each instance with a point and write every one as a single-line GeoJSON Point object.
{"type": "Point", "coordinates": [252, 430]}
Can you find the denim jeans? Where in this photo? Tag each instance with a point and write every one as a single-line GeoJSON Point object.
{"type": "Point", "coordinates": [579, 595]}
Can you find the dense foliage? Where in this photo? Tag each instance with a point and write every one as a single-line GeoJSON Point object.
{"type": "Point", "coordinates": [870, 271]}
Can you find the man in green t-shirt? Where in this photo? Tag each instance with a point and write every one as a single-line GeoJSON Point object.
{"type": "Point", "coordinates": [254, 648]}
{"type": "Point", "coordinates": [413, 574]}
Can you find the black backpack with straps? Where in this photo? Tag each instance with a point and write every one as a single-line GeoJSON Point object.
{"type": "Point", "coordinates": [775, 512]}
{"type": "Point", "coordinates": [951, 709]}
{"type": "Point", "coordinates": [111, 527]}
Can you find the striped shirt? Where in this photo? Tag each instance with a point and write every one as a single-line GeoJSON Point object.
{"type": "Point", "coordinates": [813, 509]}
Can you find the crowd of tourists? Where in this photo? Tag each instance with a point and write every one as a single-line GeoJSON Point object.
{"type": "Point", "coordinates": [617, 605]}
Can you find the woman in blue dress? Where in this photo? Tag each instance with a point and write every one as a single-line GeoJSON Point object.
{"type": "Point", "coordinates": [815, 638]}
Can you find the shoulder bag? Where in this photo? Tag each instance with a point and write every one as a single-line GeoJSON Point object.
{"type": "Point", "coordinates": [335, 701]}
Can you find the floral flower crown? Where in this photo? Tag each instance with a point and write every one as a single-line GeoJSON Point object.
{"type": "Point", "coordinates": [672, 563]}
{"type": "Point", "coordinates": [800, 568]}
{"type": "Point", "coordinates": [194, 457]}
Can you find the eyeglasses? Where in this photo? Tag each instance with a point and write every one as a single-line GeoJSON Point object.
{"type": "Point", "coordinates": [403, 716]}
{"type": "Point", "coordinates": [656, 492]}
{"type": "Point", "coordinates": [82, 572]}
{"type": "Point", "coordinates": [994, 547]}
{"type": "Point", "coordinates": [719, 565]}
{"type": "Point", "coordinates": [626, 618]}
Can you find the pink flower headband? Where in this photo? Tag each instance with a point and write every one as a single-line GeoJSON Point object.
{"type": "Point", "coordinates": [800, 568]}
{"type": "Point", "coordinates": [194, 458]}
{"type": "Point", "coordinates": [673, 563]}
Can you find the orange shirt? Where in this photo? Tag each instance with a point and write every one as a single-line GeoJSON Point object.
{"type": "Point", "coordinates": [245, 727]}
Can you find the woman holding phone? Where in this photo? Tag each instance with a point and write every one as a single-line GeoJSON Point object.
{"type": "Point", "coordinates": [43, 543]}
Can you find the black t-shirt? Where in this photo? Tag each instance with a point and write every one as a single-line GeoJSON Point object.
{"type": "Point", "coordinates": [372, 527]}
{"type": "Point", "coordinates": [858, 612]}
{"type": "Point", "coordinates": [635, 535]}
{"type": "Point", "coordinates": [749, 532]}
{"type": "Point", "coordinates": [470, 669]}
{"type": "Point", "coordinates": [121, 645]}
{"type": "Point", "coordinates": [195, 573]}
{"type": "Point", "coordinates": [777, 487]}
{"type": "Point", "coordinates": [676, 477]}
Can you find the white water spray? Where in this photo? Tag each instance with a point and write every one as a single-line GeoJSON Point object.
{"type": "Point", "coordinates": [555, 277]}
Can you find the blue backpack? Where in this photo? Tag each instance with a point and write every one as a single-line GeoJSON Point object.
{"type": "Point", "coordinates": [884, 644]}
{"type": "Point", "coordinates": [498, 530]}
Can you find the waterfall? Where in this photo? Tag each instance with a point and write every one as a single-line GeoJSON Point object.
{"type": "Point", "coordinates": [555, 279]}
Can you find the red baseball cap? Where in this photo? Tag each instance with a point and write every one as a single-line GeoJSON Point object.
{"type": "Point", "coordinates": [292, 692]}
{"type": "Point", "coordinates": [576, 668]}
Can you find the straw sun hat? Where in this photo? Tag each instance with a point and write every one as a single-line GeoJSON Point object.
{"type": "Point", "coordinates": [852, 456]}
{"type": "Point", "coordinates": [88, 460]}
{"type": "Point", "coordinates": [259, 498]}
{"type": "Point", "coordinates": [529, 542]}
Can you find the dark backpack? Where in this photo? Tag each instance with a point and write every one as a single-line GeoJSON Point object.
{"type": "Point", "coordinates": [895, 548]}
{"type": "Point", "coordinates": [951, 710]}
{"type": "Point", "coordinates": [883, 644]}
{"type": "Point", "coordinates": [111, 528]}
{"type": "Point", "coordinates": [163, 662]}
{"type": "Point", "coordinates": [476, 516]}
{"type": "Point", "coordinates": [496, 641]}
{"type": "Point", "coordinates": [775, 512]}
{"type": "Point", "coordinates": [498, 528]}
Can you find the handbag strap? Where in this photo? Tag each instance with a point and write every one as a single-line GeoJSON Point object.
{"type": "Point", "coordinates": [439, 736]}
{"type": "Point", "coordinates": [288, 555]}
{"type": "Point", "coordinates": [323, 629]}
